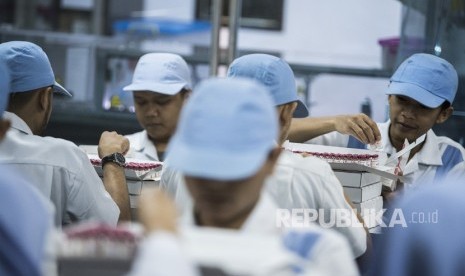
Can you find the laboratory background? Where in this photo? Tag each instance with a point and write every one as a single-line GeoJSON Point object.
{"type": "Point", "coordinates": [339, 50]}
{"type": "Point", "coordinates": [343, 54]}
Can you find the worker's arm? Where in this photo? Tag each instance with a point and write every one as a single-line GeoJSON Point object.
{"type": "Point", "coordinates": [114, 178]}
{"type": "Point", "coordinates": [360, 126]}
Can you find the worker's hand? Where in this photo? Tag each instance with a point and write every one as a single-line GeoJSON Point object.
{"type": "Point", "coordinates": [360, 126]}
{"type": "Point", "coordinates": [157, 211]}
{"type": "Point", "coordinates": [111, 142]}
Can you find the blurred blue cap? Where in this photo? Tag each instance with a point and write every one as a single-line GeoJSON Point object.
{"type": "Point", "coordinates": [4, 87]}
{"type": "Point", "coordinates": [29, 67]}
{"type": "Point", "coordinates": [428, 79]}
{"type": "Point", "coordinates": [272, 72]}
{"type": "Point", "coordinates": [226, 130]}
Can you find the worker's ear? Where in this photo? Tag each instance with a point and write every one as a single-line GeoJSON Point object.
{"type": "Point", "coordinates": [289, 109]}
{"type": "Point", "coordinates": [444, 114]}
{"type": "Point", "coordinates": [285, 112]}
{"type": "Point", "coordinates": [45, 98]}
{"type": "Point", "coordinates": [4, 126]}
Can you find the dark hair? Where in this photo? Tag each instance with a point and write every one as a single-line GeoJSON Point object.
{"type": "Point", "coordinates": [445, 105]}
{"type": "Point", "coordinates": [184, 92]}
{"type": "Point", "coordinates": [19, 99]}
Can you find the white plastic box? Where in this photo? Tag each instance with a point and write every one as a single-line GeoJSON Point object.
{"type": "Point", "coordinates": [361, 194]}
{"type": "Point", "coordinates": [356, 179]}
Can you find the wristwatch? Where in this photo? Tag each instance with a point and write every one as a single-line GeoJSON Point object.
{"type": "Point", "coordinates": [116, 157]}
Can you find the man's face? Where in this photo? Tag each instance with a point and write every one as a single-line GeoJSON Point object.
{"type": "Point", "coordinates": [410, 119]}
{"type": "Point", "coordinates": [158, 113]}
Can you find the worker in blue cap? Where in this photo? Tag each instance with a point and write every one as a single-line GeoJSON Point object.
{"type": "Point", "coordinates": [296, 182]}
{"type": "Point", "coordinates": [225, 147]}
{"type": "Point", "coordinates": [62, 172]}
{"type": "Point", "coordinates": [421, 93]}
{"type": "Point", "coordinates": [160, 86]}
{"type": "Point", "coordinates": [26, 222]}
{"type": "Point", "coordinates": [26, 217]}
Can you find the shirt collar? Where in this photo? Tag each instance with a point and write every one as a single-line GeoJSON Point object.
{"type": "Point", "coordinates": [139, 144]}
{"type": "Point", "coordinates": [385, 141]}
{"type": "Point", "coordinates": [144, 145]}
{"type": "Point", "coordinates": [429, 153]}
{"type": "Point", "coordinates": [17, 123]}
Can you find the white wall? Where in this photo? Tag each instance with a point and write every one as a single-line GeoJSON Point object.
{"type": "Point", "coordinates": [341, 33]}
{"type": "Point", "coordinates": [323, 32]}
{"type": "Point", "coordinates": [339, 94]}
{"type": "Point", "coordinates": [174, 9]}
{"type": "Point", "coordinates": [330, 32]}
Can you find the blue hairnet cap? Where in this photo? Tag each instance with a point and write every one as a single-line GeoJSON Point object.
{"type": "Point", "coordinates": [272, 72]}
{"type": "Point", "coordinates": [428, 79]}
{"type": "Point", "coordinates": [226, 130]}
{"type": "Point", "coordinates": [4, 87]}
{"type": "Point", "coordinates": [29, 67]}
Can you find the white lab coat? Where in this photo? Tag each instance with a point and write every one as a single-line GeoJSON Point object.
{"type": "Point", "coordinates": [162, 254]}
{"type": "Point", "coordinates": [310, 183]}
{"type": "Point", "coordinates": [258, 248]}
{"type": "Point", "coordinates": [296, 183]}
{"type": "Point", "coordinates": [320, 251]}
{"type": "Point", "coordinates": [141, 147]}
{"type": "Point", "coordinates": [60, 171]}
{"type": "Point", "coordinates": [438, 156]}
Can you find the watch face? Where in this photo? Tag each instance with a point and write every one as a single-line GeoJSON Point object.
{"type": "Point", "coordinates": [116, 157]}
{"type": "Point", "coordinates": [119, 158]}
